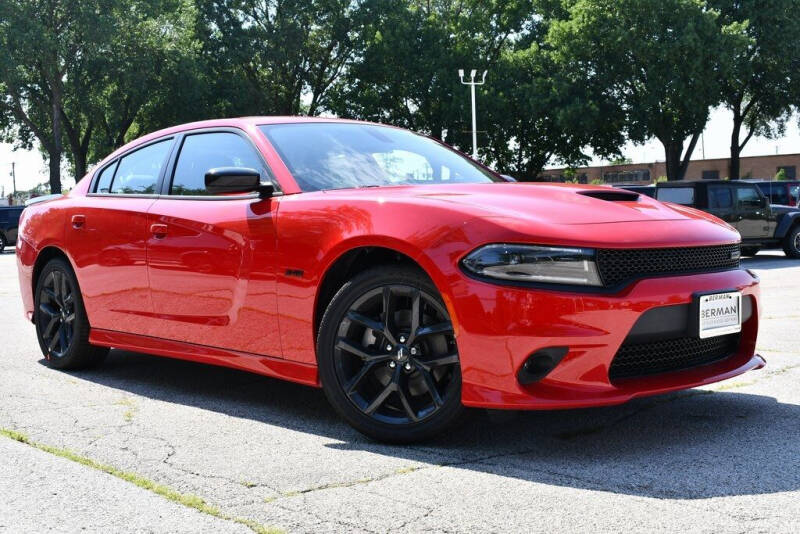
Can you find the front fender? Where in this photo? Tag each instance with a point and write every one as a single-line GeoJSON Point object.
{"type": "Point", "coordinates": [786, 221]}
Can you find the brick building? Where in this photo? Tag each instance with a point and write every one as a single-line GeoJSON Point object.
{"type": "Point", "coordinates": [763, 167]}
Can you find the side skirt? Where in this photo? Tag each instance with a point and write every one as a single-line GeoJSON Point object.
{"type": "Point", "coordinates": [302, 373]}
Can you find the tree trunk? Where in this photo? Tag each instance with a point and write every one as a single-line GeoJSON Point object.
{"type": "Point", "coordinates": [672, 152]}
{"type": "Point", "coordinates": [55, 153]}
{"type": "Point", "coordinates": [734, 170]}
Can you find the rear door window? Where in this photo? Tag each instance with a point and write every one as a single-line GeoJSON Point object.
{"type": "Point", "coordinates": [138, 172]}
{"type": "Point", "coordinates": [678, 195]}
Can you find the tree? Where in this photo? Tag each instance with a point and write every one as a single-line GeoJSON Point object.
{"type": "Point", "coordinates": [763, 82]}
{"type": "Point", "coordinates": [781, 174]}
{"type": "Point", "coordinates": [266, 56]}
{"type": "Point", "coordinates": [41, 44]}
{"type": "Point", "coordinates": [407, 71]}
{"type": "Point", "coordinates": [655, 60]}
{"type": "Point", "coordinates": [534, 116]}
{"type": "Point", "coordinates": [146, 77]}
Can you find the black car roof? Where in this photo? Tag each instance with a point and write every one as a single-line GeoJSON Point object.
{"type": "Point", "coordinates": [692, 183]}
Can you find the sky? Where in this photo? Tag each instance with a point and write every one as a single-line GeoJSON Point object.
{"type": "Point", "coordinates": [31, 168]}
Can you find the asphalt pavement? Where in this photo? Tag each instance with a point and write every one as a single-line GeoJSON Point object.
{"type": "Point", "coordinates": [147, 444]}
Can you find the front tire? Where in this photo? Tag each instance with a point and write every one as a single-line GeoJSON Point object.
{"type": "Point", "coordinates": [387, 356]}
{"type": "Point", "coordinates": [62, 327]}
{"type": "Point", "coordinates": [3, 242]}
{"type": "Point", "coordinates": [791, 244]}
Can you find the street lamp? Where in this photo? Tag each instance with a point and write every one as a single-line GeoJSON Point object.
{"type": "Point", "coordinates": [472, 83]}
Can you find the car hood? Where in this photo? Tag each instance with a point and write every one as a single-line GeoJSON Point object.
{"type": "Point", "coordinates": [545, 203]}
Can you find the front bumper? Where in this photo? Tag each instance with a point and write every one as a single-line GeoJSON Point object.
{"type": "Point", "coordinates": [498, 327]}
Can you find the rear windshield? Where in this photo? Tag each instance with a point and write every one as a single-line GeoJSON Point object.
{"type": "Point", "coordinates": [678, 195]}
{"type": "Point", "coordinates": [324, 156]}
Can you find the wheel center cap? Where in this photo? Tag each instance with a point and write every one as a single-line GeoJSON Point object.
{"type": "Point", "coordinates": [402, 354]}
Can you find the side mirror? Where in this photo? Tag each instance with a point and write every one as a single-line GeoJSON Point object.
{"type": "Point", "coordinates": [223, 180]}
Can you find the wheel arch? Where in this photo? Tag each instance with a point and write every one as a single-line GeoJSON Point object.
{"type": "Point", "coordinates": [787, 222]}
{"type": "Point", "coordinates": [48, 253]}
{"type": "Point", "coordinates": [360, 257]}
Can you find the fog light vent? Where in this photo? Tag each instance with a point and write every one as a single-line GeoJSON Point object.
{"type": "Point", "coordinates": [540, 363]}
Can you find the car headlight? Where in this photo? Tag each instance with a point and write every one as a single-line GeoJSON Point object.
{"type": "Point", "coordinates": [529, 263]}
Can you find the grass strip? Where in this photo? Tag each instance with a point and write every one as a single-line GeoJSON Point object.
{"type": "Point", "coordinates": [186, 499]}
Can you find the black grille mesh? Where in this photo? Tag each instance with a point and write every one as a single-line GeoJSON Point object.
{"type": "Point", "coordinates": [621, 265]}
{"type": "Point", "coordinates": [633, 360]}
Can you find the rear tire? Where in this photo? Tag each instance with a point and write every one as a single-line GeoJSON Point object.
{"type": "Point", "coordinates": [791, 243]}
{"type": "Point", "coordinates": [62, 327]}
{"type": "Point", "coordinates": [387, 356]}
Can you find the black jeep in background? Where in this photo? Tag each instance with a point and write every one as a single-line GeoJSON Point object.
{"type": "Point", "coordinates": [9, 220]}
{"type": "Point", "coordinates": [743, 206]}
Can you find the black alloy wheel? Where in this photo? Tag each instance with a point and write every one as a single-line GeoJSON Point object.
{"type": "Point", "coordinates": [388, 356]}
{"type": "Point", "coordinates": [62, 327]}
{"type": "Point", "coordinates": [56, 313]}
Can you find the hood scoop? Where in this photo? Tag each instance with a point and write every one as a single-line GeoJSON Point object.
{"type": "Point", "coordinates": [612, 196]}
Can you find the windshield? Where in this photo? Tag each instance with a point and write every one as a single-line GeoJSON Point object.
{"type": "Point", "coordinates": [324, 156]}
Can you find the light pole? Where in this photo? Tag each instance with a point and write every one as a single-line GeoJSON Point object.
{"type": "Point", "coordinates": [14, 177]}
{"type": "Point", "coordinates": [472, 83]}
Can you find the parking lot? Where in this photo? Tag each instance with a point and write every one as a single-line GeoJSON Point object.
{"type": "Point", "coordinates": [152, 444]}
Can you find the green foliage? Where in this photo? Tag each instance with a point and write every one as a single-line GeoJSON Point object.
{"type": "Point", "coordinates": [406, 73]}
{"type": "Point", "coordinates": [660, 179]}
{"type": "Point", "coordinates": [762, 82]}
{"type": "Point", "coordinates": [263, 57]}
{"type": "Point", "coordinates": [781, 174]}
{"type": "Point", "coordinates": [567, 78]}
{"type": "Point", "coordinates": [597, 181]}
{"type": "Point", "coordinates": [650, 62]}
{"type": "Point", "coordinates": [621, 161]}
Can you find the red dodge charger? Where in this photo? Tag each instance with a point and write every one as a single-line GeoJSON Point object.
{"type": "Point", "coordinates": [405, 279]}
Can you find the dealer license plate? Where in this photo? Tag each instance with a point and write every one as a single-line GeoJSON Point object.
{"type": "Point", "coordinates": [720, 314]}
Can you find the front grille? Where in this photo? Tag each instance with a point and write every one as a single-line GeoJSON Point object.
{"type": "Point", "coordinates": [621, 265]}
{"type": "Point", "coordinates": [642, 359]}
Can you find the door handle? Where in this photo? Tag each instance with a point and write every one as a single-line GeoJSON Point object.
{"type": "Point", "coordinates": [158, 230]}
{"type": "Point", "coordinates": [78, 221]}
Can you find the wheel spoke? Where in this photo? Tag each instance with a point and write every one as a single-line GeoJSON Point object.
{"type": "Point", "coordinates": [434, 329]}
{"type": "Point", "coordinates": [366, 321]}
{"type": "Point", "coordinates": [70, 318]}
{"type": "Point", "coordinates": [381, 398]}
{"type": "Point", "coordinates": [431, 385]}
{"type": "Point", "coordinates": [56, 286]}
{"type": "Point", "coordinates": [347, 346]}
{"type": "Point", "coordinates": [450, 359]}
{"type": "Point", "coordinates": [64, 290]}
{"type": "Point", "coordinates": [62, 338]}
{"type": "Point", "coordinates": [415, 315]}
{"type": "Point", "coordinates": [50, 294]}
{"type": "Point", "coordinates": [388, 311]}
{"type": "Point", "coordinates": [401, 391]}
{"type": "Point", "coordinates": [48, 331]}
{"type": "Point", "coordinates": [46, 308]}
{"type": "Point", "coordinates": [353, 384]}
{"type": "Point", "coordinates": [54, 340]}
